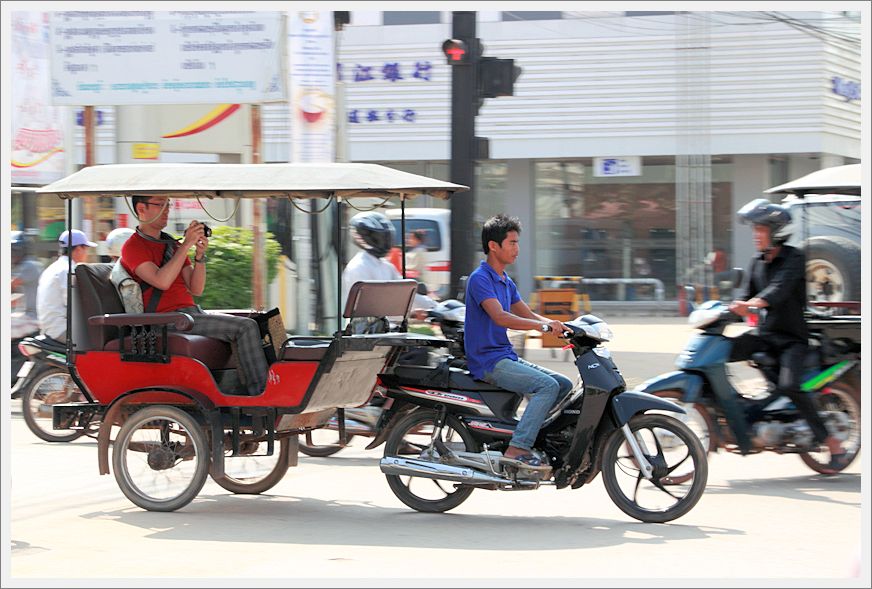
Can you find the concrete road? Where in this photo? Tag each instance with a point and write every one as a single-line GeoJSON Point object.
{"type": "Point", "coordinates": [334, 521]}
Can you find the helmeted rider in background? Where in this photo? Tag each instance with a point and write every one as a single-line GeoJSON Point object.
{"type": "Point", "coordinates": [776, 286]}
{"type": "Point", "coordinates": [115, 240]}
{"type": "Point", "coordinates": [374, 234]}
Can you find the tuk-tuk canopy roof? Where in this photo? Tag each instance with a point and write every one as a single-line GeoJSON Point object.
{"type": "Point", "coordinates": [248, 181]}
{"type": "Point", "coordinates": [835, 180]}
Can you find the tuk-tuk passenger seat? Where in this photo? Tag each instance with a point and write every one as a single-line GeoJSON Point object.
{"type": "Point", "coordinates": [95, 295]}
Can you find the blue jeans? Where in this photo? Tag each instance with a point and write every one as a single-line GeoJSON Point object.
{"type": "Point", "coordinates": [543, 387]}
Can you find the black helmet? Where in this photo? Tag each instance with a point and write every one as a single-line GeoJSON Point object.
{"type": "Point", "coordinates": [762, 212]}
{"type": "Point", "coordinates": [373, 232]}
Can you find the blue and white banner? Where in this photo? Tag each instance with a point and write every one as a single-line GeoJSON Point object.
{"type": "Point", "coordinates": [189, 57]}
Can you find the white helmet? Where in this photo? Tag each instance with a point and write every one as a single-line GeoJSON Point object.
{"type": "Point", "coordinates": [116, 239]}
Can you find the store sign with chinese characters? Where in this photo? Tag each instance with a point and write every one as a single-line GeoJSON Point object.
{"type": "Point", "coordinates": [605, 167]}
{"type": "Point", "coordinates": [393, 72]}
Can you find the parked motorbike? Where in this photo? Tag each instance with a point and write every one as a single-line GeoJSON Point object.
{"type": "Point", "coordinates": [445, 432]}
{"type": "Point", "coordinates": [752, 422]}
{"type": "Point", "coordinates": [449, 316]}
{"type": "Point", "coordinates": [44, 381]}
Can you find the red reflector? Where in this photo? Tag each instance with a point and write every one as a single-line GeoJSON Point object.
{"type": "Point", "coordinates": [440, 267]}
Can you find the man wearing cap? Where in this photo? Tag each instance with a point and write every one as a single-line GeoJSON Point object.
{"type": "Point", "coordinates": [51, 295]}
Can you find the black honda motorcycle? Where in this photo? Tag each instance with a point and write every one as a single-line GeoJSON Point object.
{"type": "Point", "coordinates": [444, 434]}
{"type": "Point", "coordinates": [44, 381]}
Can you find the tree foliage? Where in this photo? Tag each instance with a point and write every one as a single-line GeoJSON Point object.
{"type": "Point", "coordinates": [228, 268]}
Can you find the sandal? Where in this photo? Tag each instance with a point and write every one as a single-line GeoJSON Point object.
{"type": "Point", "coordinates": [838, 463]}
{"type": "Point", "coordinates": [527, 461]}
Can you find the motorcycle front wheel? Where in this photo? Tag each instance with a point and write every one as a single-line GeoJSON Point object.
{"type": "Point", "coordinates": [680, 469]}
{"type": "Point", "coordinates": [839, 406]}
{"type": "Point", "coordinates": [410, 438]}
{"type": "Point", "coordinates": [51, 386]}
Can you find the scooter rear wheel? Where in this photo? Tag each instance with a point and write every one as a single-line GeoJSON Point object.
{"type": "Point", "coordinates": [50, 386]}
{"type": "Point", "coordinates": [840, 407]}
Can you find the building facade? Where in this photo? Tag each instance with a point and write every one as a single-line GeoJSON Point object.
{"type": "Point", "coordinates": [631, 139]}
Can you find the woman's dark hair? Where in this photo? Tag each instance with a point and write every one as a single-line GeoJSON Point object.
{"type": "Point", "coordinates": [496, 228]}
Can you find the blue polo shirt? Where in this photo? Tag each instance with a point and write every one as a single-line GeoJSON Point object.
{"type": "Point", "coordinates": [486, 342]}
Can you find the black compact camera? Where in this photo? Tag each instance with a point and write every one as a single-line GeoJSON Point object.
{"type": "Point", "coordinates": [207, 231]}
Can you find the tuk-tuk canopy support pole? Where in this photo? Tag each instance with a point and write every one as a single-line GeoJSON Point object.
{"type": "Point", "coordinates": [258, 254]}
{"type": "Point", "coordinates": [89, 208]}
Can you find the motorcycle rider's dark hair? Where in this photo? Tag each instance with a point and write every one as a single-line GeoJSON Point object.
{"type": "Point", "coordinates": [496, 229]}
{"type": "Point", "coordinates": [372, 232]}
{"type": "Point", "coordinates": [776, 217]}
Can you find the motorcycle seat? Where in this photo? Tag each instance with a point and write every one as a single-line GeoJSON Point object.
{"type": "Point", "coordinates": [767, 360]}
{"type": "Point", "coordinates": [49, 344]}
{"type": "Point", "coordinates": [462, 379]}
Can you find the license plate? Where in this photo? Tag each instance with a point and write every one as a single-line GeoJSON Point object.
{"type": "Point", "coordinates": [25, 369]}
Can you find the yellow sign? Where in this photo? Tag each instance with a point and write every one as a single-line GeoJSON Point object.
{"type": "Point", "coordinates": [556, 303]}
{"type": "Point", "coordinates": [145, 151]}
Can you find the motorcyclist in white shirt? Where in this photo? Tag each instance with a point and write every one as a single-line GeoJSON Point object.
{"type": "Point", "coordinates": [51, 298]}
{"type": "Point", "coordinates": [374, 234]}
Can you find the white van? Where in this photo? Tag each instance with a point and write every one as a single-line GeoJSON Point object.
{"type": "Point", "coordinates": [436, 223]}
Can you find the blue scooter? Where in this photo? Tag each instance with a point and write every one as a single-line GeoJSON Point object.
{"type": "Point", "coordinates": [722, 417]}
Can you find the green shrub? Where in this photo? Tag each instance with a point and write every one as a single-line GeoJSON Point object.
{"type": "Point", "coordinates": [228, 268]}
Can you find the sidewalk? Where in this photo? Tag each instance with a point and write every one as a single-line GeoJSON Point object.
{"type": "Point", "coordinates": [631, 334]}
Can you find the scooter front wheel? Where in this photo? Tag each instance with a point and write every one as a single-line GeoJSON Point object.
{"type": "Point", "coordinates": [674, 452]}
{"type": "Point", "coordinates": [698, 419]}
{"type": "Point", "coordinates": [50, 386]}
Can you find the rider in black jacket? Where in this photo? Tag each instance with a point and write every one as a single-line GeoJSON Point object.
{"type": "Point", "coordinates": [776, 286]}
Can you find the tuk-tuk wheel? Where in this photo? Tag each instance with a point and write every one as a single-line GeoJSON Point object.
{"type": "Point", "coordinates": [161, 458]}
{"type": "Point", "coordinates": [253, 472]}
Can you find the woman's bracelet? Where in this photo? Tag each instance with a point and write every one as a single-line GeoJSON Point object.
{"type": "Point", "coordinates": [200, 260]}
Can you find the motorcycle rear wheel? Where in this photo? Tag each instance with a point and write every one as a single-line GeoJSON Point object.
{"type": "Point", "coordinates": [52, 384]}
{"type": "Point", "coordinates": [653, 501]}
{"type": "Point", "coordinates": [843, 401]}
{"type": "Point", "coordinates": [253, 473]}
{"type": "Point", "coordinates": [414, 432]}
{"type": "Point", "coordinates": [310, 447]}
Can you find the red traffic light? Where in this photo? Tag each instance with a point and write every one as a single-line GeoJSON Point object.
{"type": "Point", "coordinates": [455, 51]}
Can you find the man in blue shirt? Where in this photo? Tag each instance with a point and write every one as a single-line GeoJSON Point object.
{"type": "Point", "coordinates": [493, 305]}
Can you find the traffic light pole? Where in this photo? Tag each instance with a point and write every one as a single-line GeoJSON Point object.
{"type": "Point", "coordinates": [464, 244]}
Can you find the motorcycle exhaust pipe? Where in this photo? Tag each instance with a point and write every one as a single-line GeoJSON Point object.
{"type": "Point", "coordinates": [443, 472]}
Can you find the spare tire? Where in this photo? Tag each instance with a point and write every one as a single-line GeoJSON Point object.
{"type": "Point", "coordinates": [832, 269]}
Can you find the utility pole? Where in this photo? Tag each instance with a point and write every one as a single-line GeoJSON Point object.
{"type": "Point", "coordinates": [463, 110]}
{"type": "Point", "coordinates": [473, 79]}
